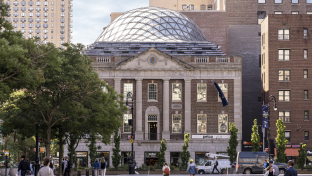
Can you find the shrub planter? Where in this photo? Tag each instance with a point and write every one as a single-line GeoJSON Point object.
{"type": "Point", "coordinates": [3, 171]}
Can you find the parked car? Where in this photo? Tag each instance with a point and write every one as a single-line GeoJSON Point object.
{"type": "Point", "coordinates": [252, 162]}
{"type": "Point", "coordinates": [234, 165]}
{"type": "Point", "coordinates": [207, 166]}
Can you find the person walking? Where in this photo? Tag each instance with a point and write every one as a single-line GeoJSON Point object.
{"type": "Point", "coordinates": [24, 166]}
{"type": "Point", "coordinates": [191, 168]}
{"type": "Point", "coordinates": [291, 171]}
{"type": "Point", "coordinates": [96, 166]}
{"type": "Point", "coordinates": [215, 165]}
{"type": "Point", "coordinates": [166, 169]}
{"type": "Point", "coordinates": [275, 168]}
{"type": "Point", "coordinates": [269, 171]}
{"type": "Point", "coordinates": [46, 170]}
{"type": "Point", "coordinates": [135, 167]}
{"type": "Point", "coordinates": [103, 167]}
{"type": "Point", "coordinates": [66, 169]}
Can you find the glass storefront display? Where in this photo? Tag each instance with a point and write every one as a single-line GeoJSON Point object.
{"type": "Point", "coordinates": [126, 157]}
{"type": "Point", "coordinates": [82, 159]}
{"type": "Point", "coordinates": [105, 155]}
{"type": "Point", "coordinates": [222, 123]}
{"type": "Point", "coordinates": [175, 159]}
{"type": "Point", "coordinates": [151, 158]}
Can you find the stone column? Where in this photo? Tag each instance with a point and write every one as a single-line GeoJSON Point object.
{"type": "Point", "coordinates": [187, 104]}
{"type": "Point", "coordinates": [117, 85]}
{"type": "Point", "coordinates": [138, 110]}
{"type": "Point", "coordinates": [166, 131]}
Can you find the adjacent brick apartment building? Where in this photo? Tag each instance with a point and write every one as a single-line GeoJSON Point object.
{"type": "Point", "coordinates": [286, 73]}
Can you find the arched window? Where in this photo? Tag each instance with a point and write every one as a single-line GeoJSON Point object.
{"type": "Point", "coordinates": [209, 7]}
{"type": "Point", "coordinates": [191, 7]}
{"type": "Point", "coordinates": [202, 7]}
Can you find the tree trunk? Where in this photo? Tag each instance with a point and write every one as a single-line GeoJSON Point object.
{"type": "Point", "coordinates": [61, 151]}
{"type": "Point", "coordinates": [71, 154]}
{"type": "Point", "coordinates": [48, 141]}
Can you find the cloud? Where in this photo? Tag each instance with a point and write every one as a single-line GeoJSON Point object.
{"type": "Point", "coordinates": [90, 16]}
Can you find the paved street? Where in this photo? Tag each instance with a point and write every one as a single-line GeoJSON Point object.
{"type": "Point", "coordinates": [214, 174]}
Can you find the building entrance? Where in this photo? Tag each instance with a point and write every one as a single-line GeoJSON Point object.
{"type": "Point", "coordinates": [152, 130]}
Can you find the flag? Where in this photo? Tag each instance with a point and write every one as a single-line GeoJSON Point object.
{"type": "Point", "coordinates": [221, 95]}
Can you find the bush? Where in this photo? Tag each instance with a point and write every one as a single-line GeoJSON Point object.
{"type": "Point", "coordinates": [173, 168]}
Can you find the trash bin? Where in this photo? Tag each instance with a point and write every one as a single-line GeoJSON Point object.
{"type": "Point", "coordinates": [131, 168]}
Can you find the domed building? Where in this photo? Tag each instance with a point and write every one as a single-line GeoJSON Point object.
{"type": "Point", "coordinates": [169, 66]}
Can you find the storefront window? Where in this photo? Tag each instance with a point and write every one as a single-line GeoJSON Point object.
{"type": "Point", "coordinates": [223, 123]}
{"type": "Point", "coordinates": [105, 155]}
{"type": "Point", "coordinates": [200, 157]}
{"type": "Point", "coordinates": [126, 157]}
{"type": "Point", "coordinates": [175, 159]}
{"type": "Point", "coordinates": [82, 159]}
{"type": "Point", "coordinates": [151, 158]}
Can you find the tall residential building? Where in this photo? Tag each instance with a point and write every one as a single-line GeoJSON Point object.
{"type": "Point", "coordinates": [286, 74]}
{"type": "Point", "coordinates": [50, 20]}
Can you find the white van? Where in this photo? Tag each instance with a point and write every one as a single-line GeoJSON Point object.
{"type": "Point", "coordinates": [206, 167]}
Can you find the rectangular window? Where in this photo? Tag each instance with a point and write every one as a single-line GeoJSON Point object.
{"type": "Point", "coordinates": [284, 95]}
{"type": "Point", "coordinates": [305, 74]}
{"type": "Point", "coordinates": [305, 54]}
{"type": "Point", "coordinates": [278, 1]}
{"type": "Point", "coordinates": [128, 87]}
{"type": "Point", "coordinates": [201, 92]}
{"type": "Point", "coordinates": [287, 136]}
{"type": "Point", "coordinates": [306, 135]}
{"type": "Point", "coordinates": [305, 33]}
{"type": "Point", "coordinates": [306, 115]}
{"type": "Point", "coordinates": [224, 88]}
{"type": "Point", "coordinates": [176, 91]}
{"type": "Point", "coordinates": [201, 123]}
{"type": "Point", "coordinates": [176, 123]}
{"type": "Point", "coordinates": [306, 94]}
{"type": "Point", "coordinates": [284, 116]}
{"type": "Point", "coordinates": [284, 75]}
{"type": "Point", "coordinates": [152, 92]}
{"type": "Point", "coordinates": [126, 127]}
{"type": "Point", "coordinates": [295, 1]}
{"type": "Point", "coordinates": [283, 54]}
{"type": "Point", "coordinates": [261, 1]}
{"type": "Point", "coordinates": [222, 123]}
{"type": "Point", "coordinates": [294, 13]}
{"type": "Point", "coordinates": [279, 12]}
{"type": "Point", "coordinates": [309, 1]}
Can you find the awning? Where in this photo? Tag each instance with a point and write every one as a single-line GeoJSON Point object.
{"type": "Point", "coordinates": [289, 152]}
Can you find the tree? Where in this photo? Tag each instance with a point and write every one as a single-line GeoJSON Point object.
{"type": "Point", "coordinates": [233, 143]}
{"type": "Point", "coordinates": [281, 141]}
{"type": "Point", "coordinates": [255, 138]}
{"type": "Point", "coordinates": [185, 154]}
{"type": "Point", "coordinates": [116, 158]}
{"type": "Point", "coordinates": [302, 155]}
{"type": "Point", "coordinates": [91, 143]}
{"type": "Point", "coordinates": [162, 150]}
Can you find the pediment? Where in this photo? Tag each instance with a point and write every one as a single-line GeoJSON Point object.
{"type": "Point", "coordinates": [153, 59]}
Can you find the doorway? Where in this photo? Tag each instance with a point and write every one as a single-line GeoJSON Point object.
{"type": "Point", "coordinates": [152, 130]}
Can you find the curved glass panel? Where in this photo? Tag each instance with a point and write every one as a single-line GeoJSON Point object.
{"type": "Point", "coordinates": [152, 24]}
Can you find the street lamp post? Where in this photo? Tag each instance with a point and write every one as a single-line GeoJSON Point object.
{"type": "Point", "coordinates": [37, 151]}
{"type": "Point", "coordinates": [271, 98]}
{"type": "Point", "coordinates": [130, 122]}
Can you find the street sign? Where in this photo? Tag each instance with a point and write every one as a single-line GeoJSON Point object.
{"type": "Point", "coordinates": [265, 121]}
{"type": "Point", "coordinates": [40, 139]}
{"type": "Point", "coordinates": [6, 152]}
{"type": "Point", "coordinates": [131, 140]}
{"type": "Point", "coordinates": [42, 150]}
{"type": "Point", "coordinates": [52, 142]}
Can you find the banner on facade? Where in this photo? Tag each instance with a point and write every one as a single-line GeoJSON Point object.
{"type": "Point", "coordinates": [211, 136]}
{"type": "Point", "coordinates": [265, 116]}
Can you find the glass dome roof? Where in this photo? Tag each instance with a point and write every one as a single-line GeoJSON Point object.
{"type": "Point", "coordinates": [152, 24]}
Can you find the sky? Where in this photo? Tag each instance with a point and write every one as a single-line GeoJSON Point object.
{"type": "Point", "coordinates": [90, 16]}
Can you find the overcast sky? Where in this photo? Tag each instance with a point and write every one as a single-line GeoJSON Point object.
{"type": "Point", "coordinates": [90, 16]}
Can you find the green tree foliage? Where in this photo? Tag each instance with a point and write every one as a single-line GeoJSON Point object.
{"type": "Point", "coordinates": [116, 158]}
{"type": "Point", "coordinates": [91, 143]}
{"type": "Point", "coordinates": [302, 155]}
{"type": "Point", "coordinates": [255, 138]}
{"type": "Point", "coordinates": [185, 154]}
{"type": "Point", "coordinates": [281, 141]}
{"type": "Point", "coordinates": [162, 150]}
{"type": "Point", "coordinates": [233, 143]}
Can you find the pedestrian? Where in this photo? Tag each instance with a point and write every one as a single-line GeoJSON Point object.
{"type": "Point", "coordinates": [265, 164]}
{"type": "Point", "coordinates": [275, 168]}
{"type": "Point", "coordinates": [291, 171]}
{"type": "Point", "coordinates": [24, 166]}
{"type": "Point", "coordinates": [215, 165]}
{"type": "Point", "coordinates": [135, 167]}
{"type": "Point", "coordinates": [31, 167]}
{"type": "Point", "coordinates": [66, 169]}
{"type": "Point", "coordinates": [46, 170]}
{"type": "Point", "coordinates": [191, 168]}
{"type": "Point", "coordinates": [166, 169]}
{"type": "Point", "coordinates": [51, 164]}
{"type": "Point", "coordinates": [63, 164]}
{"type": "Point", "coordinates": [269, 171]}
{"type": "Point", "coordinates": [96, 166]}
{"type": "Point", "coordinates": [103, 166]}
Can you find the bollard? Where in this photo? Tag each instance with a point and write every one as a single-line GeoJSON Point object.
{"type": "Point", "coordinates": [79, 173]}
{"type": "Point", "coordinates": [92, 172]}
{"type": "Point", "coordinates": [87, 172]}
